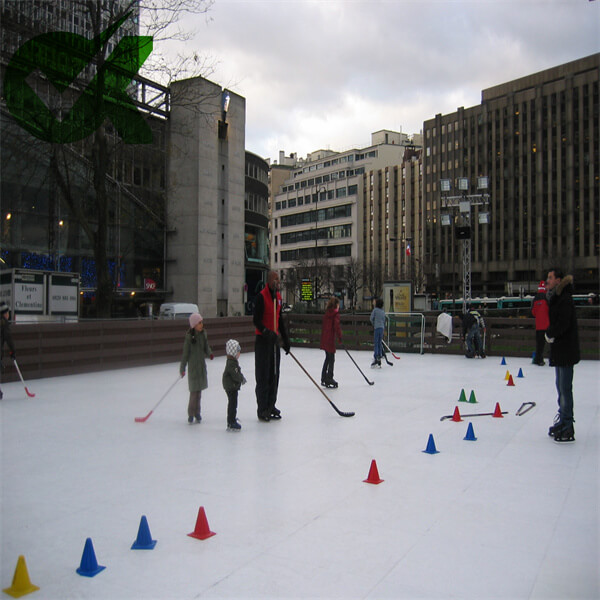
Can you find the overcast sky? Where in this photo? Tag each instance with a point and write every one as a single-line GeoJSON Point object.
{"type": "Point", "coordinates": [326, 73]}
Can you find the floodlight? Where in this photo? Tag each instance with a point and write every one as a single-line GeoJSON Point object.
{"type": "Point", "coordinates": [445, 185]}
{"type": "Point", "coordinates": [483, 182]}
{"type": "Point", "coordinates": [446, 220]}
{"type": "Point", "coordinates": [463, 183]}
{"type": "Point", "coordinates": [484, 218]}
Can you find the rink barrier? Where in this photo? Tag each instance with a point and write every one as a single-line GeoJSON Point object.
{"type": "Point", "coordinates": [56, 349]}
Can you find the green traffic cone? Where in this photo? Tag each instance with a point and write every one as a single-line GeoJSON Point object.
{"type": "Point", "coordinates": [472, 398]}
{"type": "Point", "coordinates": [463, 396]}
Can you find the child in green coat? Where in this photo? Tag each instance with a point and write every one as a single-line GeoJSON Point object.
{"type": "Point", "coordinates": [233, 379]}
{"type": "Point", "coordinates": [195, 352]}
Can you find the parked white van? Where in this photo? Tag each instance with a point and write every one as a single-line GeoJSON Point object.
{"type": "Point", "coordinates": [177, 310]}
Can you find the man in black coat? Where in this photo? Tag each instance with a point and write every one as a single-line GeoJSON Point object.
{"type": "Point", "coordinates": [563, 337]}
{"type": "Point", "coordinates": [5, 336]}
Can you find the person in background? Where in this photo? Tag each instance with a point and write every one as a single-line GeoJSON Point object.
{"type": "Point", "coordinates": [563, 336]}
{"type": "Point", "coordinates": [330, 332]}
{"type": "Point", "coordinates": [378, 321]}
{"type": "Point", "coordinates": [271, 330]}
{"type": "Point", "coordinates": [5, 335]}
{"type": "Point", "coordinates": [473, 324]}
{"type": "Point", "coordinates": [233, 379]}
{"type": "Point", "coordinates": [539, 310]}
{"type": "Point", "coordinates": [195, 352]}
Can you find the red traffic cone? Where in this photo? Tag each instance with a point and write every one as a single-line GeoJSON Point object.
{"type": "Point", "coordinates": [510, 381]}
{"type": "Point", "coordinates": [202, 530]}
{"type": "Point", "coordinates": [497, 411]}
{"type": "Point", "coordinates": [373, 474]}
{"type": "Point", "coordinates": [456, 416]}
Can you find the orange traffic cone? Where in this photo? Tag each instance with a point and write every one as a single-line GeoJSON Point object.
{"type": "Point", "coordinates": [497, 411]}
{"type": "Point", "coordinates": [456, 416]}
{"type": "Point", "coordinates": [202, 530]}
{"type": "Point", "coordinates": [373, 474]}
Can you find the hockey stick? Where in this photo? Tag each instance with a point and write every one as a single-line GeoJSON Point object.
{"type": "Point", "coordinates": [144, 419]}
{"type": "Point", "coordinates": [390, 350]}
{"type": "Point", "coordinates": [30, 394]}
{"type": "Point", "coordinates": [504, 412]}
{"type": "Point", "coordinates": [350, 355]}
{"type": "Point", "coordinates": [337, 410]}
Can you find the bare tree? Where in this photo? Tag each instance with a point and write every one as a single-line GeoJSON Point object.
{"type": "Point", "coordinates": [373, 278]}
{"type": "Point", "coordinates": [353, 272]}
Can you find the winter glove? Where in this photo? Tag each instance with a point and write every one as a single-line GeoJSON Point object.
{"type": "Point", "coordinates": [286, 346]}
{"type": "Point", "coordinates": [182, 373]}
{"type": "Point", "coordinates": [13, 356]}
{"type": "Point", "coordinates": [549, 339]}
{"type": "Point", "coordinates": [244, 380]}
{"type": "Point", "coordinates": [270, 336]}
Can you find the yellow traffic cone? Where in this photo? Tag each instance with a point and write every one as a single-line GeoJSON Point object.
{"type": "Point", "coordinates": [507, 376]}
{"type": "Point", "coordinates": [21, 584]}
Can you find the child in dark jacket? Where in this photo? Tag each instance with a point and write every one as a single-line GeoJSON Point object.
{"type": "Point", "coordinates": [233, 379]}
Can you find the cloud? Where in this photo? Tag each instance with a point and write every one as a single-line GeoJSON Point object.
{"type": "Point", "coordinates": [327, 73]}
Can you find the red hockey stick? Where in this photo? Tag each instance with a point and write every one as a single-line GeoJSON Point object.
{"type": "Point", "coordinates": [144, 419]}
{"type": "Point", "coordinates": [30, 394]}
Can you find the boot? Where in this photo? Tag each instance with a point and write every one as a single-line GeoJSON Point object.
{"type": "Point", "coordinates": [565, 434]}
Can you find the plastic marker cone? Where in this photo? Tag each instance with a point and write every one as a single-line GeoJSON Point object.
{"type": "Point", "coordinates": [431, 449]}
{"type": "Point", "coordinates": [470, 437]}
{"type": "Point", "coordinates": [472, 398]}
{"type": "Point", "coordinates": [144, 540]}
{"type": "Point", "coordinates": [373, 474]}
{"type": "Point", "coordinates": [520, 374]}
{"type": "Point", "coordinates": [202, 530]}
{"type": "Point", "coordinates": [503, 361]}
{"type": "Point", "coordinates": [456, 416]}
{"type": "Point", "coordinates": [510, 381]}
{"type": "Point", "coordinates": [533, 358]}
{"type": "Point", "coordinates": [21, 584]}
{"type": "Point", "coordinates": [463, 396]}
{"type": "Point", "coordinates": [497, 411]}
{"type": "Point", "coordinates": [89, 565]}
{"type": "Point", "coordinates": [507, 376]}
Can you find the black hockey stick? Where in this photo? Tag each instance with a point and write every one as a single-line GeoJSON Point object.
{"type": "Point", "coordinates": [350, 355]}
{"type": "Point", "coordinates": [390, 350]}
{"type": "Point", "coordinates": [504, 412]}
{"type": "Point", "coordinates": [337, 410]}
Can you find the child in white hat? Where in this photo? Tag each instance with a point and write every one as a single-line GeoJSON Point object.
{"type": "Point", "coordinates": [195, 352]}
{"type": "Point", "coordinates": [233, 379]}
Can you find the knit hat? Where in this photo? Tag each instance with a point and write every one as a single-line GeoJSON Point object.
{"type": "Point", "coordinates": [4, 308]}
{"type": "Point", "coordinates": [542, 287]}
{"type": "Point", "coordinates": [194, 319]}
{"type": "Point", "coordinates": [232, 347]}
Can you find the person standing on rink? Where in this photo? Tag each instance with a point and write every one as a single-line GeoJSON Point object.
{"type": "Point", "coordinates": [330, 332]}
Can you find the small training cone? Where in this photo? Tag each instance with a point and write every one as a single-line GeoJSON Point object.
{"type": "Point", "coordinates": [520, 374]}
{"type": "Point", "coordinates": [202, 530]}
{"type": "Point", "coordinates": [144, 540]}
{"type": "Point", "coordinates": [470, 437]}
{"type": "Point", "coordinates": [456, 416]}
{"type": "Point", "coordinates": [89, 565]}
{"type": "Point", "coordinates": [533, 358]}
{"type": "Point", "coordinates": [21, 584]}
{"type": "Point", "coordinates": [431, 449]}
{"type": "Point", "coordinates": [497, 411]}
{"type": "Point", "coordinates": [463, 396]}
{"type": "Point", "coordinates": [472, 398]}
{"type": "Point", "coordinates": [373, 474]}
{"type": "Point", "coordinates": [503, 362]}
{"type": "Point", "coordinates": [510, 381]}
{"type": "Point", "coordinates": [507, 376]}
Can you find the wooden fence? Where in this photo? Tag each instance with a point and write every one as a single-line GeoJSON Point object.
{"type": "Point", "coordinates": [52, 349]}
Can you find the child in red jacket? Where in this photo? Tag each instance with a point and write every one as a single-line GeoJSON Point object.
{"type": "Point", "coordinates": [539, 310]}
{"type": "Point", "coordinates": [330, 333]}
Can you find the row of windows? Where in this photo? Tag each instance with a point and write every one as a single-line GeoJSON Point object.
{"type": "Point", "coordinates": [351, 190]}
{"type": "Point", "coordinates": [254, 171]}
{"type": "Point", "coordinates": [336, 161]}
{"type": "Point", "coordinates": [324, 233]}
{"type": "Point", "coordinates": [324, 179]}
{"type": "Point", "coordinates": [341, 251]}
{"type": "Point", "coordinates": [323, 214]}
{"type": "Point", "coordinates": [256, 203]}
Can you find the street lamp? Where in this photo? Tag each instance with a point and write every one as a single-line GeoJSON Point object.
{"type": "Point", "coordinates": [463, 203]}
{"type": "Point", "coordinates": [316, 203]}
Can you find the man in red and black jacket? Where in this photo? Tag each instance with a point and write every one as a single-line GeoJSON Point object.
{"type": "Point", "coordinates": [539, 310]}
{"type": "Point", "coordinates": [270, 328]}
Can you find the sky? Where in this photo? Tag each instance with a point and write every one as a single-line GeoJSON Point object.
{"type": "Point", "coordinates": [327, 73]}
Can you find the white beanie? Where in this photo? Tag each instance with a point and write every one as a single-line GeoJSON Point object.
{"type": "Point", "coordinates": [194, 319]}
{"type": "Point", "coordinates": [232, 347]}
{"type": "Point", "coordinates": [4, 308]}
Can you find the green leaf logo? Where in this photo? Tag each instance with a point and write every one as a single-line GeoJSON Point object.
{"type": "Point", "coordinates": [76, 107]}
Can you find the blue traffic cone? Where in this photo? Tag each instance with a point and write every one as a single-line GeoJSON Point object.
{"type": "Point", "coordinates": [431, 446]}
{"type": "Point", "coordinates": [503, 361]}
{"type": "Point", "coordinates": [144, 540]}
{"type": "Point", "coordinates": [89, 565]}
{"type": "Point", "coordinates": [470, 437]}
{"type": "Point", "coordinates": [520, 374]}
{"type": "Point", "coordinates": [533, 358]}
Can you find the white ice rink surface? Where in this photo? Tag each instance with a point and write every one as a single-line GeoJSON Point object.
{"type": "Point", "coordinates": [511, 515]}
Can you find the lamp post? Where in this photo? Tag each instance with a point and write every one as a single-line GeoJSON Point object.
{"type": "Point", "coordinates": [463, 203]}
{"type": "Point", "coordinates": [316, 203]}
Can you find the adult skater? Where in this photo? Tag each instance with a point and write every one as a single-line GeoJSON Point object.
{"type": "Point", "coordinates": [5, 335]}
{"type": "Point", "coordinates": [270, 329]}
{"type": "Point", "coordinates": [539, 310]}
{"type": "Point", "coordinates": [377, 319]}
{"type": "Point", "coordinates": [563, 337]}
{"type": "Point", "coordinates": [330, 332]}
